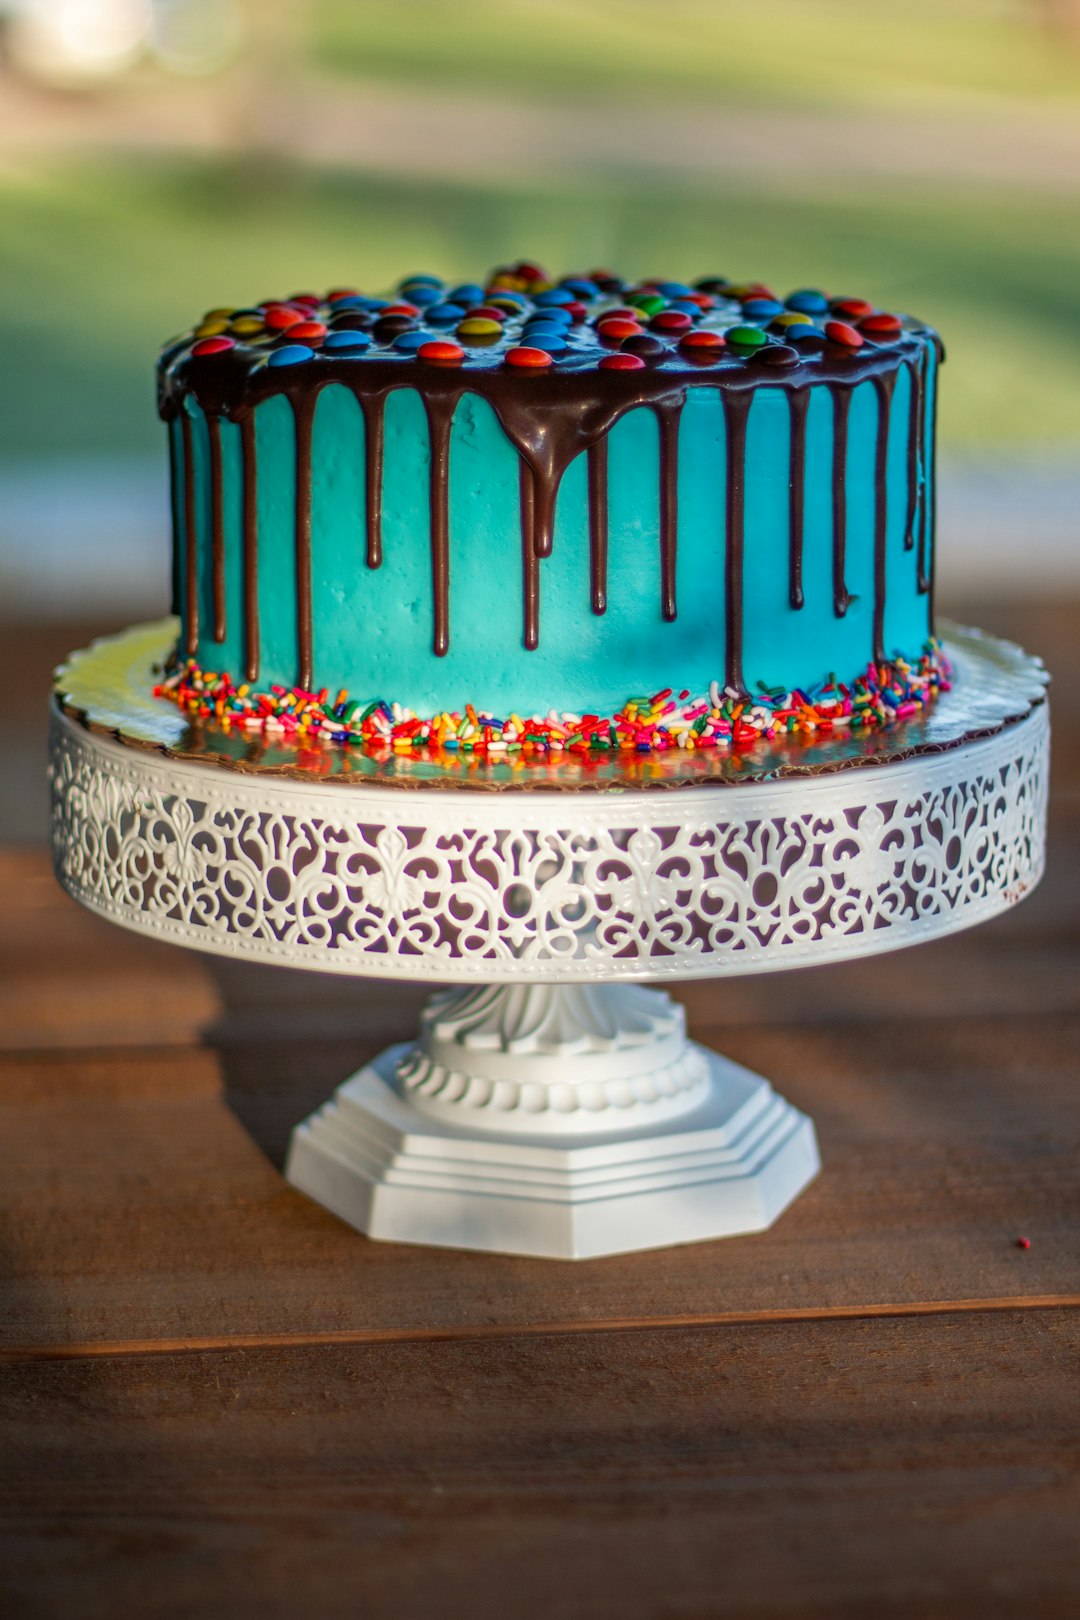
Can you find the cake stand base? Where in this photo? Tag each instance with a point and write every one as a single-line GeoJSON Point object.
{"type": "Point", "coordinates": [555, 1121]}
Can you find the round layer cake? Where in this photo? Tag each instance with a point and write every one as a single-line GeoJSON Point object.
{"type": "Point", "coordinates": [539, 495]}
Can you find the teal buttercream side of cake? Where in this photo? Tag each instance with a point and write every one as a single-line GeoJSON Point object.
{"type": "Point", "coordinates": [273, 571]}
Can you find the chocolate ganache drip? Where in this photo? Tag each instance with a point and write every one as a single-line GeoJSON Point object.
{"type": "Point", "coordinates": [551, 416]}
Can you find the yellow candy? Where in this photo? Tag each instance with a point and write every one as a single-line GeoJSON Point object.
{"type": "Point", "coordinates": [246, 326]}
{"type": "Point", "coordinates": [792, 320]}
{"type": "Point", "coordinates": [217, 314]}
{"type": "Point", "coordinates": [478, 326]}
{"type": "Point", "coordinates": [211, 329]}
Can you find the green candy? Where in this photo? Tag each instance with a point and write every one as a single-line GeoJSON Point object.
{"type": "Point", "coordinates": [648, 303]}
{"type": "Point", "coordinates": [746, 337]}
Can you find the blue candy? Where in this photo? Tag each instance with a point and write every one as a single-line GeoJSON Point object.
{"type": "Point", "coordinates": [581, 288]}
{"type": "Point", "coordinates": [422, 296]}
{"type": "Point", "coordinates": [468, 294]}
{"type": "Point", "coordinates": [420, 281]}
{"type": "Point", "coordinates": [445, 314]}
{"type": "Point", "coordinates": [673, 289]}
{"type": "Point", "coordinates": [799, 334]}
{"type": "Point", "coordinates": [550, 342]}
{"type": "Point", "coordinates": [553, 297]}
{"type": "Point", "coordinates": [556, 316]}
{"type": "Point", "coordinates": [293, 354]}
{"type": "Point", "coordinates": [409, 342]}
{"type": "Point", "coordinates": [347, 340]}
{"type": "Point", "coordinates": [686, 306]}
{"type": "Point", "coordinates": [808, 301]}
{"type": "Point", "coordinates": [762, 309]}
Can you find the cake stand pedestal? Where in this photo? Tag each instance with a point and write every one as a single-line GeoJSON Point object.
{"type": "Point", "coordinates": [552, 1105]}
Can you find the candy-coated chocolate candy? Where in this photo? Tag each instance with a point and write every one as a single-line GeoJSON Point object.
{"type": "Point", "coordinates": [401, 309]}
{"type": "Point", "coordinates": [470, 292]}
{"type": "Point", "coordinates": [852, 308]}
{"type": "Point", "coordinates": [307, 332]}
{"type": "Point", "coordinates": [703, 344]}
{"type": "Point", "coordinates": [805, 336]}
{"type": "Point", "coordinates": [560, 317]}
{"type": "Point", "coordinates": [477, 328]}
{"type": "Point", "coordinates": [576, 310]}
{"type": "Point", "coordinates": [352, 320]}
{"type": "Point", "coordinates": [621, 313]}
{"type": "Point", "coordinates": [702, 300]}
{"type": "Point", "coordinates": [213, 345]}
{"type": "Point", "coordinates": [550, 342]}
{"type": "Point", "coordinates": [219, 314]}
{"type": "Point", "coordinates": [441, 354]}
{"type": "Point", "coordinates": [671, 320]}
{"type": "Point", "coordinates": [777, 354]}
{"type": "Point", "coordinates": [613, 331]}
{"type": "Point", "coordinates": [346, 342]}
{"type": "Point", "coordinates": [527, 359]}
{"type": "Point", "coordinates": [761, 309]}
{"type": "Point", "coordinates": [528, 271]}
{"type": "Point", "coordinates": [486, 312]}
{"type": "Point", "coordinates": [649, 348]}
{"type": "Point", "coordinates": [409, 342]}
{"type": "Point", "coordinates": [622, 361]}
{"type": "Point", "coordinates": [503, 298]}
{"type": "Point", "coordinates": [611, 285]}
{"type": "Point", "coordinates": [808, 301]}
{"type": "Point", "coordinates": [539, 329]}
{"type": "Point", "coordinates": [686, 306]}
{"type": "Point", "coordinates": [211, 329]}
{"type": "Point", "coordinates": [247, 326]}
{"type": "Point", "coordinates": [582, 287]}
{"type": "Point", "coordinates": [309, 299]}
{"type": "Point", "coordinates": [672, 289]}
{"type": "Point", "coordinates": [712, 284]}
{"type": "Point", "coordinates": [279, 317]}
{"type": "Point", "coordinates": [290, 354]}
{"type": "Point", "coordinates": [840, 332]}
{"type": "Point", "coordinates": [337, 295]}
{"type": "Point", "coordinates": [745, 337]}
{"type": "Point", "coordinates": [445, 314]}
{"type": "Point", "coordinates": [418, 279]}
{"type": "Point", "coordinates": [790, 318]}
{"type": "Point", "coordinates": [392, 326]}
{"type": "Point", "coordinates": [424, 296]}
{"type": "Point", "coordinates": [649, 303]}
{"type": "Point", "coordinates": [881, 326]}
{"type": "Point", "coordinates": [553, 297]}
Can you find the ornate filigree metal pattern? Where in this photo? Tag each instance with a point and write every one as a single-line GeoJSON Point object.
{"type": "Point", "coordinates": [459, 886]}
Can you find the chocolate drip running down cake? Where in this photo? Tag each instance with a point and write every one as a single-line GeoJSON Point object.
{"type": "Point", "coordinates": [545, 514]}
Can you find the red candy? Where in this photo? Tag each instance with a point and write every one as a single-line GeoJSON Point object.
{"type": "Point", "coordinates": [337, 293]}
{"type": "Point", "coordinates": [529, 272]}
{"type": "Point", "coordinates": [854, 308]}
{"type": "Point", "coordinates": [309, 300]}
{"type": "Point", "coordinates": [671, 320]}
{"type": "Point", "coordinates": [880, 326]}
{"type": "Point", "coordinates": [399, 309]}
{"type": "Point", "coordinates": [527, 359]}
{"type": "Point", "coordinates": [213, 345]}
{"type": "Point", "coordinates": [704, 344]}
{"type": "Point", "coordinates": [485, 312]}
{"type": "Point", "coordinates": [279, 317]}
{"type": "Point", "coordinates": [620, 314]}
{"type": "Point", "coordinates": [613, 331]}
{"type": "Point", "coordinates": [846, 336]}
{"type": "Point", "coordinates": [576, 310]}
{"type": "Point", "coordinates": [441, 354]}
{"type": "Point", "coordinates": [307, 332]}
{"type": "Point", "coordinates": [622, 362]}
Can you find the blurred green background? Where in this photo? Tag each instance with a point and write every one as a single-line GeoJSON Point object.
{"type": "Point", "coordinates": [926, 155]}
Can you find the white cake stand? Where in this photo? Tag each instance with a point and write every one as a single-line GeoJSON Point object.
{"type": "Point", "coordinates": [551, 1105]}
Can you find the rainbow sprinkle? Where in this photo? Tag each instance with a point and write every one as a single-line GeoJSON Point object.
{"type": "Point", "coordinates": [883, 695]}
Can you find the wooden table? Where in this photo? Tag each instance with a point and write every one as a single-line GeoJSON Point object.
{"type": "Point", "coordinates": [219, 1401]}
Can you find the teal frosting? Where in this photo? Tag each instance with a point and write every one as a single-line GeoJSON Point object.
{"type": "Point", "coordinates": [372, 628]}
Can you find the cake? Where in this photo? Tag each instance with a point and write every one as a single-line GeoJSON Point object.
{"type": "Point", "coordinates": [542, 513]}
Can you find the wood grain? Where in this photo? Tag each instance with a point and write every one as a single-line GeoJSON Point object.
{"type": "Point", "coordinates": [910, 1468]}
